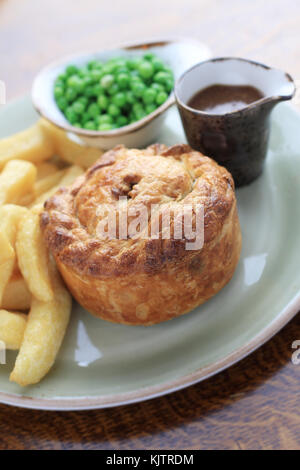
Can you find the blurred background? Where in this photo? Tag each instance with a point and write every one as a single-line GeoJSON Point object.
{"type": "Point", "coordinates": [34, 32]}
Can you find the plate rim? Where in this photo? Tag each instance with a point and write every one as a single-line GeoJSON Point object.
{"type": "Point", "coordinates": [155, 391]}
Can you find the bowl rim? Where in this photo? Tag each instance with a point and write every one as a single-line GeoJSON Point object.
{"type": "Point", "coordinates": [249, 107]}
{"type": "Point", "coordinates": [124, 130]}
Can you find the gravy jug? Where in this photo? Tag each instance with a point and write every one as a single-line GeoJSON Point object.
{"type": "Point", "coordinates": [238, 139]}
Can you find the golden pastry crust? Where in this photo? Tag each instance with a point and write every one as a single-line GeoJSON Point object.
{"type": "Point", "coordinates": [136, 280]}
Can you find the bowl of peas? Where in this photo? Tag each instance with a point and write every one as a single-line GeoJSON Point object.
{"type": "Point", "coordinates": [117, 96]}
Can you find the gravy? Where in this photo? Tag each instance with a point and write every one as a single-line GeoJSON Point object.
{"type": "Point", "coordinates": [222, 99]}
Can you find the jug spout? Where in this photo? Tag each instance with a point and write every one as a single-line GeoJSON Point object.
{"type": "Point", "coordinates": [275, 84]}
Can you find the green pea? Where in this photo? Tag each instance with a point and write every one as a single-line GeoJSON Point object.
{"type": "Point", "coordinates": [87, 80]}
{"type": "Point", "coordinates": [96, 75]}
{"type": "Point", "coordinates": [59, 84]}
{"type": "Point", "coordinates": [98, 65]}
{"type": "Point", "coordinates": [118, 66]}
{"type": "Point", "coordinates": [90, 64]}
{"type": "Point", "coordinates": [62, 103]}
{"type": "Point", "coordinates": [113, 89]}
{"type": "Point", "coordinates": [157, 87]}
{"type": "Point", "coordinates": [137, 89]}
{"type": "Point", "coordinates": [89, 91]}
{"type": "Point", "coordinates": [76, 82]}
{"type": "Point", "coordinates": [85, 117]}
{"type": "Point", "coordinates": [119, 62]}
{"type": "Point", "coordinates": [102, 101]}
{"type": "Point", "coordinates": [78, 107]}
{"type": "Point", "coordinates": [149, 95]}
{"type": "Point", "coordinates": [108, 68]}
{"type": "Point", "coordinates": [137, 106]}
{"type": "Point", "coordinates": [157, 64]}
{"type": "Point", "coordinates": [70, 115]}
{"type": "Point", "coordinates": [77, 124]}
{"type": "Point", "coordinates": [107, 81]}
{"type": "Point", "coordinates": [93, 110]}
{"type": "Point", "coordinates": [145, 69]}
{"type": "Point", "coordinates": [149, 56]}
{"type": "Point", "coordinates": [58, 92]}
{"type": "Point", "coordinates": [131, 117]}
{"type": "Point", "coordinates": [122, 121]}
{"type": "Point", "coordinates": [119, 99]}
{"type": "Point", "coordinates": [138, 111]}
{"type": "Point", "coordinates": [70, 94]}
{"type": "Point", "coordinates": [113, 110]}
{"type": "Point", "coordinates": [168, 70]}
{"type": "Point", "coordinates": [80, 85]}
{"type": "Point", "coordinates": [71, 70]}
{"type": "Point", "coordinates": [106, 126]}
{"type": "Point", "coordinates": [123, 80]}
{"type": "Point", "coordinates": [83, 100]}
{"type": "Point", "coordinates": [72, 80]}
{"type": "Point", "coordinates": [140, 114]}
{"type": "Point", "coordinates": [169, 85]}
{"type": "Point", "coordinates": [83, 72]}
{"type": "Point", "coordinates": [104, 119]}
{"type": "Point", "coordinates": [61, 78]}
{"type": "Point", "coordinates": [161, 97]}
{"type": "Point", "coordinates": [90, 125]}
{"type": "Point", "coordinates": [162, 77]}
{"type": "Point", "coordinates": [124, 90]}
{"type": "Point", "coordinates": [120, 70]}
{"type": "Point", "coordinates": [150, 108]}
{"type": "Point", "coordinates": [98, 89]}
{"type": "Point", "coordinates": [130, 97]}
{"type": "Point", "coordinates": [134, 74]}
{"type": "Point", "coordinates": [132, 64]}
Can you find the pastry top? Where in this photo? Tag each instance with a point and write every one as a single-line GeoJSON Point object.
{"type": "Point", "coordinates": [158, 177]}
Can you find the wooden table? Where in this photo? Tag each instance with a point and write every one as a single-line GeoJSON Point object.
{"type": "Point", "coordinates": [253, 405]}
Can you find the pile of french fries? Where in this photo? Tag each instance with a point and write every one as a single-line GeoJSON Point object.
{"type": "Point", "coordinates": [35, 306]}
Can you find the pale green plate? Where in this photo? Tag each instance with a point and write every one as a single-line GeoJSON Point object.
{"type": "Point", "coordinates": [102, 364]}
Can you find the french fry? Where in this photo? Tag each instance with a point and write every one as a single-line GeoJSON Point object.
{"type": "Point", "coordinates": [37, 209]}
{"type": "Point", "coordinates": [70, 175]}
{"type": "Point", "coordinates": [16, 295]}
{"type": "Point", "coordinates": [6, 250]}
{"type": "Point", "coordinates": [68, 149]}
{"type": "Point", "coordinates": [12, 327]}
{"type": "Point", "coordinates": [33, 257]}
{"type": "Point", "coordinates": [45, 329]}
{"type": "Point", "coordinates": [34, 283]}
{"type": "Point", "coordinates": [33, 145]}
{"type": "Point", "coordinates": [45, 184]}
{"type": "Point", "coordinates": [16, 180]}
{"type": "Point", "coordinates": [9, 219]}
{"type": "Point", "coordinates": [43, 197]}
{"type": "Point", "coordinates": [7, 262]}
{"type": "Point", "coordinates": [10, 215]}
{"type": "Point", "coordinates": [28, 199]}
{"type": "Point", "coordinates": [42, 186]}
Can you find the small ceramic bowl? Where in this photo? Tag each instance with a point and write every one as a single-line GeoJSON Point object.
{"type": "Point", "coordinates": [179, 54]}
{"type": "Point", "coordinates": [237, 140]}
